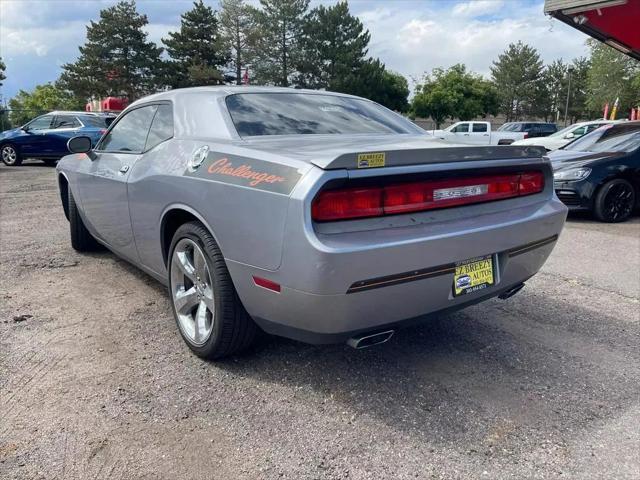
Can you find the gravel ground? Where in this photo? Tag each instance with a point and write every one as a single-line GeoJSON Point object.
{"type": "Point", "coordinates": [95, 381]}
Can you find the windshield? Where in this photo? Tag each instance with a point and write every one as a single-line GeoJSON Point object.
{"type": "Point", "coordinates": [609, 138]}
{"type": "Point", "coordinates": [560, 133]}
{"type": "Point", "coordinates": [257, 114]}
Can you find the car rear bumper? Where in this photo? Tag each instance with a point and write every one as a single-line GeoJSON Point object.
{"type": "Point", "coordinates": [321, 277]}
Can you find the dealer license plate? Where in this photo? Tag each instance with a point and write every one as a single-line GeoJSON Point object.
{"type": "Point", "coordinates": [473, 275]}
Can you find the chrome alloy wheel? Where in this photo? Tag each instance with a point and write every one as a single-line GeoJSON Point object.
{"type": "Point", "coordinates": [9, 155]}
{"type": "Point", "coordinates": [192, 291]}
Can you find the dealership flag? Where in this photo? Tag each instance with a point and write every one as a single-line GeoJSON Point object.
{"type": "Point", "coordinates": [606, 110]}
{"type": "Point", "coordinates": [614, 110]}
{"type": "Point", "coordinates": [245, 77]}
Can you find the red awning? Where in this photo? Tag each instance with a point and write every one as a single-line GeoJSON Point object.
{"type": "Point", "coordinates": [614, 22]}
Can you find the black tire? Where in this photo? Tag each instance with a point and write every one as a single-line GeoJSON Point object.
{"type": "Point", "coordinates": [614, 201]}
{"type": "Point", "coordinates": [233, 330]}
{"type": "Point", "coordinates": [50, 162]}
{"type": "Point", "coordinates": [10, 155]}
{"type": "Point", "coordinates": [81, 239]}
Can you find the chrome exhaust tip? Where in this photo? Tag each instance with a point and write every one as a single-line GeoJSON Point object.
{"type": "Point", "coordinates": [369, 340]}
{"type": "Point", "coordinates": [511, 292]}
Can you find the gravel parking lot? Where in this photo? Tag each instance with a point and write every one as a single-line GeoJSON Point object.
{"type": "Point", "coordinates": [95, 381]}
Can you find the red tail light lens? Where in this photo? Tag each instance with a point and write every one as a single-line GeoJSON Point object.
{"type": "Point", "coordinates": [347, 203]}
{"type": "Point", "coordinates": [526, 135]}
{"type": "Point", "coordinates": [392, 199]}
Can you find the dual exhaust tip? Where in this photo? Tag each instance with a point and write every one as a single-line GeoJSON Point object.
{"type": "Point", "coordinates": [371, 339]}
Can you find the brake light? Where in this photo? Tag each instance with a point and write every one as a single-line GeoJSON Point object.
{"type": "Point", "coordinates": [526, 135]}
{"type": "Point", "coordinates": [348, 203]}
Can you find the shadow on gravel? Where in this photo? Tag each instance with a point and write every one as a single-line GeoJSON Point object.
{"type": "Point", "coordinates": [474, 373]}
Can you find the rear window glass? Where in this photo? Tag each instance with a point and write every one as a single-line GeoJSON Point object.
{"type": "Point", "coordinates": [97, 121]}
{"type": "Point", "coordinates": [257, 114]}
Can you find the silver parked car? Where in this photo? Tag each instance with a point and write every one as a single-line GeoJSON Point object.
{"type": "Point", "coordinates": [312, 215]}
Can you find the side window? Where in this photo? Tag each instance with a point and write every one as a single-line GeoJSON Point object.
{"type": "Point", "coordinates": [130, 133]}
{"type": "Point", "coordinates": [479, 127]}
{"type": "Point", "coordinates": [578, 132]}
{"type": "Point", "coordinates": [161, 127]}
{"type": "Point", "coordinates": [41, 123]}
{"type": "Point", "coordinates": [66, 121]}
{"type": "Point", "coordinates": [462, 128]}
{"type": "Point", "coordinates": [591, 128]}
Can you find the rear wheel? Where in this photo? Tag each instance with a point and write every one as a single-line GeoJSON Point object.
{"type": "Point", "coordinates": [615, 201]}
{"type": "Point", "coordinates": [81, 239]}
{"type": "Point", "coordinates": [10, 155]}
{"type": "Point", "coordinates": [209, 314]}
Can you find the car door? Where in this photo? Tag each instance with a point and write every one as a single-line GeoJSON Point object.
{"type": "Point", "coordinates": [64, 127]}
{"type": "Point", "coordinates": [479, 134]}
{"type": "Point", "coordinates": [33, 143]}
{"type": "Point", "coordinates": [103, 185]}
{"type": "Point", "coordinates": [461, 133]}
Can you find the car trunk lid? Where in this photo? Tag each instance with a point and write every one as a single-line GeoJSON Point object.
{"type": "Point", "coordinates": [350, 152]}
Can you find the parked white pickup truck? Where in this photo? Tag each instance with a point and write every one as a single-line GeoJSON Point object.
{"type": "Point", "coordinates": [476, 133]}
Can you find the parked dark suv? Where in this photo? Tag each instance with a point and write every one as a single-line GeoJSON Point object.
{"type": "Point", "coordinates": [530, 129]}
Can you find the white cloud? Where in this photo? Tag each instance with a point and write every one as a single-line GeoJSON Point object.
{"type": "Point", "coordinates": [478, 7]}
{"type": "Point", "coordinates": [414, 42]}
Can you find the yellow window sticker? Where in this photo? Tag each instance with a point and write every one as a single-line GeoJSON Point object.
{"type": "Point", "coordinates": [371, 160]}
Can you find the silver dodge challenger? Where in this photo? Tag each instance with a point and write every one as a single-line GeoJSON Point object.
{"type": "Point", "coordinates": [312, 215]}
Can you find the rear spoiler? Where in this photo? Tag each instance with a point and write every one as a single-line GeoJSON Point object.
{"type": "Point", "coordinates": [430, 155]}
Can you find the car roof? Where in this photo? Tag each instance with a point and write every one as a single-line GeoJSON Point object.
{"type": "Point", "coordinates": [225, 90]}
{"type": "Point", "coordinates": [72, 112]}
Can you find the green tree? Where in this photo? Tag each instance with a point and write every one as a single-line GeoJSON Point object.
{"type": "Point", "coordinates": [454, 93]}
{"type": "Point", "coordinates": [334, 45]}
{"type": "Point", "coordinates": [612, 75]}
{"type": "Point", "coordinates": [3, 68]}
{"type": "Point", "coordinates": [44, 98]}
{"type": "Point", "coordinates": [196, 49]}
{"type": "Point", "coordinates": [373, 81]}
{"type": "Point", "coordinates": [280, 23]}
{"type": "Point", "coordinates": [116, 58]}
{"type": "Point", "coordinates": [517, 74]}
{"type": "Point", "coordinates": [237, 28]}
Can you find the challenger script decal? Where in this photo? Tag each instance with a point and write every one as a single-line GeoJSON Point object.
{"type": "Point", "coordinates": [225, 167]}
{"type": "Point", "coordinates": [251, 173]}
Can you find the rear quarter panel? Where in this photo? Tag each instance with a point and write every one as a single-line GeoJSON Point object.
{"type": "Point", "coordinates": [247, 221]}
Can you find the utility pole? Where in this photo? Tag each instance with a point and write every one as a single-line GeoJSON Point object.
{"type": "Point", "coordinates": [566, 107]}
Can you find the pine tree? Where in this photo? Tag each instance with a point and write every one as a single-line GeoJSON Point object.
{"type": "Point", "coordinates": [334, 45]}
{"type": "Point", "coordinates": [611, 76]}
{"type": "Point", "coordinates": [116, 58]}
{"type": "Point", "coordinates": [237, 28]}
{"type": "Point", "coordinates": [280, 23]}
{"type": "Point", "coordinates": [516, 74]}
{"type": "Point", "coordinates": [2, 70]}
{"type": "Point", "coordinates": [196, 50]}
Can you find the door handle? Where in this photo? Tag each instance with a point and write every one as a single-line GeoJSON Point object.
{"type": "Point", "coordinates": [124, 169]}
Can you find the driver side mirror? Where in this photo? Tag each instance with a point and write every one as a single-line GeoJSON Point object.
{"type": "Point", "coordinates": [79, 144]}
{"type": "Point", "coordinates": [569, 135]}
{"type": "Point", "coordinates": [25, 128]}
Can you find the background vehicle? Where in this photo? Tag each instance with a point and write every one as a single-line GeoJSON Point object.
{"type": "Point", "coordinates": [314, 215]}
{"type": "Point", "coordinates": [566, 135]}
{"type": "Point", "coordinates": [600, 172]}
{"type": "Point", "coordinates": [45, 137]}
{"type": "Point", "coordinates": [530, 129]}
{"type": "Point", "coordinates": [476, 133]}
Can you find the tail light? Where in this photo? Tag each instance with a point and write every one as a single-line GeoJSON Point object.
{"type": "Point", "coordinates": [103, 131]}
{"type": "Point", "coordinates": [347, 203]}
{"type": "Point", "coordinates": [526, 135]}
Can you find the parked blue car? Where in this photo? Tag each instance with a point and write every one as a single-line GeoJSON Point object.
{"type": "Point", "coordinates": [45, 137]}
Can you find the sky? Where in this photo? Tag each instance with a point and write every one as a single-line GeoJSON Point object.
{"type": "Point", "coordinates": [410, 36]}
